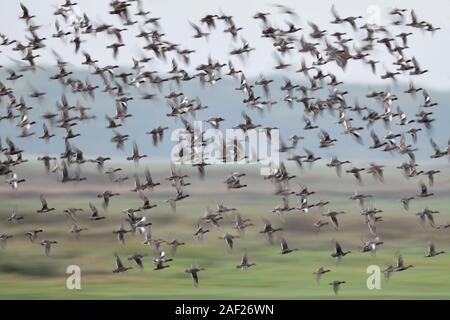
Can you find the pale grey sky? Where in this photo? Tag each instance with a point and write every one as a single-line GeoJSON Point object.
{"type": "Point", "coordinates": [431, 50]}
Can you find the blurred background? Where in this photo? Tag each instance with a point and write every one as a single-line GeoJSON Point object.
{"type": "Point", "coordinates": [26, 273]}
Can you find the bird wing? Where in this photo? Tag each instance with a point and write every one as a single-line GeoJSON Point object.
{"type": "Point", "coordinates": [10, 144]}
{"type": "Point", "coordinates": [47, 247]}
{"type": "Point", "coordinates": [94, 210]}
{"type": "Point", "coordinates": [338, 247]}
{"type": "Point", "coordinates": [135, 149]}
{"type": "Point", "coordinates": [43, 201]}
{"type": "Point", "coordinates": [119, 263]}
{"type": "Point", "coordinates": [308, 152]}
{"type": "Point", "coordinates": [24, 9]}
{"type": "Point", "coordinates": [335, 287]}
{"type": "Point", "coordinates": [194, 276]}
{"type": "Point", "coordinates": [334, 13]}
{"type": "Point", "coordinates": [139, 262]}
{"type": "Point", "coordinates": [431, 248]}
{"type": "Point", "coordinates": [195, 27]}
{"type": "Point", "coordinates": [375, 138]}
{"type": "Point", "coordinates": [244, 259]}
{"type": "Point", "coordinates": [434, 145]}
{"type": "Point", "coordinates": [335, 221]}
{"type": "Point", "coordinates": [314, 26]}
{"type": "Point", "coordinates": [284, 245]}
{"type": "Point", "coordinates": [423, 188]}
{"type": "Point", "coordinates": [229, 241]}
{"type": "Point", "coordinates": [65, 172]}
{"type": "Point", "coordinates": [148, 176]}
{"type": "Point", "coordinates": [399, 261]}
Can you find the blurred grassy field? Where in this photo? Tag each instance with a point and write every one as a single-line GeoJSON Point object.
{"type": "Point", "coordinates": [27, 274]}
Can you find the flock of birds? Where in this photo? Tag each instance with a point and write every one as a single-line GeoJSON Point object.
{"type": "Point", "coordinates": [322, 46]}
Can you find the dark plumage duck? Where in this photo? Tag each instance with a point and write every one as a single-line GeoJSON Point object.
{"type": "Point", "coordinates": [106, 195]}
{"type": "Point", "coordinates": [32, 235]}
{"type": "Point", "coordinates": [121, 234]}
{"type": "Point", "coordinates": [119, 265]}
{"type": "Point", "coordinates": [137, 258]}
{"type": "Point", "coordinates": [47, 244]}
{"type": "Point", "coordinates": [269, 230]}
{"type": "Point", "coordinates": [336, 285]}
{"type": "Point", "coordinates": [228, 240]}
{"type": "Point", "coordinates": [432, 252]}
{"type": "Point", "coordinates": [174, 244]}
{"type": "Point", "coordinates": [338, 253]}
{"type": "Point", "coordinates": [400, 265]}
{"type": "Point", "coordinates": [319, 272]}
{"type": "Point", "coordinates": [423, 192]}
{"type": "Point", "coordinates": [285, 248]}
{"type": "Point", "coordinates": [332, 216]}
{"type": "Point", "coordinates": [136, 156]}
{"type": "Point", "coordinates": [14, 217]}
{"type": "Point", "coordinates": [94, 213]}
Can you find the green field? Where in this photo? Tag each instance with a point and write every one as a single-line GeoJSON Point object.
{"type": "Point", "coordinates": [26, 273]}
